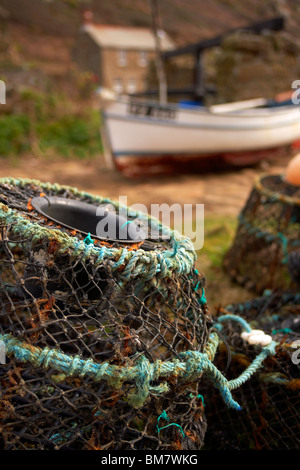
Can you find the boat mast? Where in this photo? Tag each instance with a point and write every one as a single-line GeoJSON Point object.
{"type": "Point", "coordinates": [158, 56]}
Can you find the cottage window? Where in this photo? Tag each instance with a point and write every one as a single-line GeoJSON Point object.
{"type": "Point", "coordinates": [131, 85]}
{"type": "Point", "coordinates": [122, 58]}
{"type": "Point", "coordinates": [118, 85]}
{"type": "Point", "coordinates": [143, 59]}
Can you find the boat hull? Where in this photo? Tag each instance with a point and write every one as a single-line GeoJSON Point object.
{"type": "Point", "coordinates": [167, 164]}
{"type": "Point", "coordinates": [147, 135]}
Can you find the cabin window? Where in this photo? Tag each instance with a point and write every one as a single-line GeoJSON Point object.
{"type": "Point", "coordinates": [122, 58]}
{"type": "Point", "coordinates": [118, 85]}
{"type": "Point", "coordinates": [143, 59]}
{"type": "Point", "coordinates": [131, 85]}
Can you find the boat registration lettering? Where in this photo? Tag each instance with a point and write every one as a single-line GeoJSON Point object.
{"type": "Point", "coordinates": [159, 112]}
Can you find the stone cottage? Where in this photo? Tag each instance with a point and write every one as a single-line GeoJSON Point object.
{"type": "Point", "coordinates": [118, 56]}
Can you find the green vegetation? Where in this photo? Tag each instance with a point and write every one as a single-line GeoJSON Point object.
{"type": "Point", "coordinates": [14, 134]}
{"type": "Point", "coordinates": [219, 231]}
{"type": "Point", "coordinates": [76, 136]}
{"type": "Point", "coordinates": [46, 125]}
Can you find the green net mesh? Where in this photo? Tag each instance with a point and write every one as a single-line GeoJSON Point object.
{"type": "Point", "coordinates": [83, 320]}
{"type": "Point", "coordinates": [267, 238]}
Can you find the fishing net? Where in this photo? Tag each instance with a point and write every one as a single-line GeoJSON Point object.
{"type": "Point", "coordinates": [267, 242]}
{"type": "Point", "coordinates": [97, 332]}
{"type": "Point", "coordinates": [106, 339]}
{"type": "Point", "coordinates": [270, 399]}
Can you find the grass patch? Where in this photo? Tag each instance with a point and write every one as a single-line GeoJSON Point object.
{"type": "Point", "coordinates": [14, 134]}
{"type": "Point", "coordinates": [46, 124]}
{"type": "Point", "coordinates": [71, 136]}
{"type": "Point", "coordinates": [219, 232]}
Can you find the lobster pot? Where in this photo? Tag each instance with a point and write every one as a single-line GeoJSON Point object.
{"type": "Point", "coordinates": [90, 325]}
{"type": "Point", "coordinates": [268, 238]}
{"type": "Point", "coordinates": [270, 399]}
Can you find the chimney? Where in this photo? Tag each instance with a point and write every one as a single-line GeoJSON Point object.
{"type": "Point", "coordinates": [87, 16]}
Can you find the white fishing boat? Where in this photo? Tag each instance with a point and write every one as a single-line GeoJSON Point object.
{"type": "Point", "coordinates": [139, 134]}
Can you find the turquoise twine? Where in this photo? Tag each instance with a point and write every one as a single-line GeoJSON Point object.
{"type": "Point", "coordinates": [202, 299]}
{"type": "Point", "coordinates": [165, 416]}
{"type": "Point", "coordinates": [199, 396]}
{"type": "Point", "coordinates": [88, 240]}
{"type": "Point", "coordinates": [188, 366]}
{"type": "Point", "coordinates": [282, 330]}
{"type": "Point", "coordinates": [284, 242]}
{"type": "Point", "coordinates": [126, 223]}
{"type": "Point", "coordinates": [269, 237]}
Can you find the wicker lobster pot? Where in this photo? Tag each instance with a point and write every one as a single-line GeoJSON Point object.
{"type": "Point", "coordinates": [96, 332]}
{"type": "Point", "coordinates": [270, 400]}
{"type": "Point", "coordinates": [265, 251]}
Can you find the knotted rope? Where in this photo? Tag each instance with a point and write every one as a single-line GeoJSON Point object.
{"type": "Point", "coordinates": [188, 367]}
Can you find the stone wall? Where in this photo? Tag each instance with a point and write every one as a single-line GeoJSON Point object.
{"type": "Point", "coordinates": [248, 65]}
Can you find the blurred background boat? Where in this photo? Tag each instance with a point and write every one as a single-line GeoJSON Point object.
{"type": "Point", "coordinates": [186, 136]}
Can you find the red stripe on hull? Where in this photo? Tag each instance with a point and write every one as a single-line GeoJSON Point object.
{"type": "Point", "coordinates": [134, 166]}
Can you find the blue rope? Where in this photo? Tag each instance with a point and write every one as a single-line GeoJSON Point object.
{"type": "Point", "coordinates": [236, 318]}
{"type": "Point", "coordinates": [189, 366]}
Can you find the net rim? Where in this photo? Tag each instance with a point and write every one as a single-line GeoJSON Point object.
{"type": "Point", "coordinates": [126, 262]}
{"type": "Point", "coordinates": [272, 195]}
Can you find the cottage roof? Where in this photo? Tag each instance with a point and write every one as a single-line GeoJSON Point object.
{"type": "Point", "coordinates": [126, 37]}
